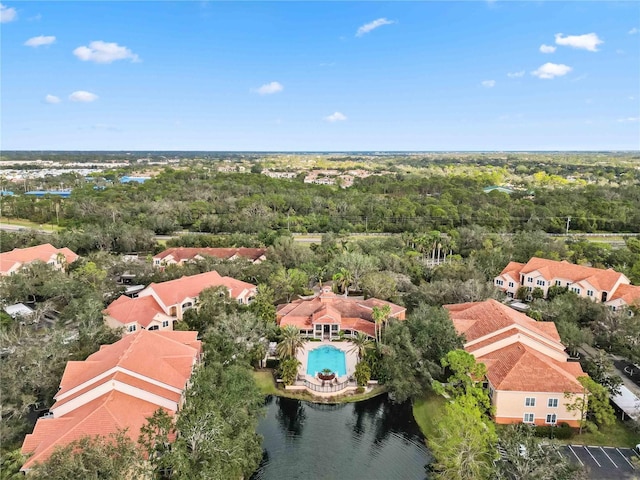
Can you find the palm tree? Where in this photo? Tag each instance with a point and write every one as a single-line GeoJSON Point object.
{"type": "Point", "coordinates": [343, 279]}
{"type": "Point", "coordinates": [361, 344]}
{"type": "Point", "coordinates": [290, 343]}
{"type": "Point", "coordinates": [380, 316]}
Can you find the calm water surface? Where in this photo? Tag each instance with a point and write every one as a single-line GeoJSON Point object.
{"type": "Point", "coordinates": [371, 440]}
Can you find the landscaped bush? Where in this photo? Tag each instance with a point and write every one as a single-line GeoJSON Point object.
{"type": "Point", "coordinates": [360, 390]}
{"type": "Point", "coordinates": [563, 431]}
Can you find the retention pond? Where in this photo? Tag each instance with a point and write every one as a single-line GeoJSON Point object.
{"type": "Point", "coordinates": [374, 439]}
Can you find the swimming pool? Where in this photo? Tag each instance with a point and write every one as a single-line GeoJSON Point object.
{"type": "Point", "coordinates": [327, 357]}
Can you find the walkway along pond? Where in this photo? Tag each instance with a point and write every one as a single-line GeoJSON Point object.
{"type": "Point", "coordinates": [373, 439]}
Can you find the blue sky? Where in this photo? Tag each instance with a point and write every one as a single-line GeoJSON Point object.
{"type": "Point", "coordinates": [329, 76]}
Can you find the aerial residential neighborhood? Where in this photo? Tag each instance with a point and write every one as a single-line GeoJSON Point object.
{"type": "Point", "coordinates": [320, 240]}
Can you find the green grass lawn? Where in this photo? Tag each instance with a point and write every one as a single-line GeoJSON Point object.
{"type": "Point", "coordinates": [617, 435]}
{"type": "Point", "coordinates": [425, 410]}
{"type": "Point", "coordinates": [28, 224]}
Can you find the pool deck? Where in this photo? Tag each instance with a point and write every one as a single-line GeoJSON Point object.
{"type": "Point", "coordinates": [351, 359]}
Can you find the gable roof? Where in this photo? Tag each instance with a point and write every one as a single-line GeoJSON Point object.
{"type": "Point", "coordinates": [161, 358]}
{"type": "Point", "coordinates": [478, 319]}
{"type": "Point", "coordinates": [181, 254]}
{"type": "Point", "coordinates": [42, 253]}
{"type": "Point", "coordinates": [327, 307]}
{"type": "Point", "coordinates": [601, 279]}
{"type": "Point", "coordinates": [175, 291]}
{"type": "Point", "coordinates": [630, 294]}
{"type": "Point", "coordinates": [105, 415]}
{"type": "Point", "coordinates": [518, 367]}
{"type": "Point", "coordinates": [158, 363]}
{"type": "Point", "coordinates": [140, 309]}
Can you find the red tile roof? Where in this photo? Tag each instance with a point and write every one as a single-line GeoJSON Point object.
{"type": "Point", "coordinates": [175, 291]}
{"type": "Point", "coordinates": [156, 362]}
{"type": "Point", "coordinates": [477, 319]}
{"type": "Point", "coordinates": [42, 253]}
{"type": "Point", "coordinates": [141, 309]}
{"type": "Point", "coordinates": [518, 367]}
{"type": "Point", "coordinates": [105, 415]}
{"type": "Point", "coordinates": [181, 254]}
{"type": "Point", "coordinates": [550, 269]}
{"type": "Point", "coordinates": [158, 357]}
{"type": "Point", "coordinates": [630, 294]}
{"type": "Point", "coordinates": [350, 313]}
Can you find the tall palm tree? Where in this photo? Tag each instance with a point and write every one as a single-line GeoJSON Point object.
{"type": "Point", "coordinates": [380, 317]}
{"type": "Point", "coordinates": [343, 279]}
{"type": "Point", "coordinates": [361, 344]}
{"type": "Point", "coordinates": [290, 343]}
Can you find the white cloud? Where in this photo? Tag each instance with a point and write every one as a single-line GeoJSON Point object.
{"type": "Point", "coordinates": [39, 41]}
{"type": "Point", "coordinates": [336, 117]}
{"type": "Point", "coordinates": [516, 74]}
{"type": "Point", "coordinates": [633, 31]}
{"type": "Point", "coordinates": [547, 48]}
{"type": "Point", "coordinates": [588, 41]}
{"type": "Point", "coordinates": [488, 83]}
{"type": "Point", "coordinates": [367, 27]}
{"type": "Point", "coordinates": [629, 119]}
{"type": "Point", "coordinates": [7, 14]}
{"type": "Point", "coordinates": [269, 88]}
{"type": "Point", "coordinates": [83, 96]}
{"type": "Point", "coordinates": [52, 99]}
{"type": "Point", "coordinates": [103, 52]}
{"type": "Point", "coordinates": [551, 70]}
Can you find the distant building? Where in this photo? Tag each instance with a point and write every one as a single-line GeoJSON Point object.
{"type": "Point", "coordinates": [180, 255]}
{"type": "Point", "coordinates": [527, 368]}
{"type": "Point", "coordinates": [607, 286]}
{"type": "Point", "coordinates": [11, 262]}
{"type": "Point", "coordinates": [325, 315]}
{"type": "Point", "coordinates": [127, 179]}
{"type": "Point", "coordinates": [42, 193]}
{"type": "Point", "coordinates": [160, 304]}
{"type": "Point", "coordinates": [490, 189]}
{"type": "Point", "coordinates": [116, 388]}
{"type": "Point", "coordinates": [18, 310]}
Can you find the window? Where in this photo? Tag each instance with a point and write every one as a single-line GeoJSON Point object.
{"type": "Point", "coordinates": [334, 328]}
{"type": "Point", "coordinates": [154, 327]}
{"type": "Point", "coordinates": [552, 403]}
{"type": "Point", "coordinates": [165, 323]}
{"type": "Point", "coordinates": [131, 328]}
{"type": "Point", "coordinates": [551, 418]}
{"type": "Point", "coordinates": [541, 283]}
{"type": "Point", "coordinates": [590, 293]}
{"type": "Point", "coordinates": [318, 327]}
{"type": "Point", "coordinates": [530, 402]}
{"type": "Point", "coordinates": [558, 282]}
{"type": "Point", "coordinates": [575, 290]}
{"type": "Point", "coordinates": [530, 279]}
{"type": "Point", "coordinates": [157, 262]}
{"type": "Point", "coordinates": [499, 282]}
{"type": "Point", "coordinates": [528, 418]}
{"type": "Point", "coordinates": [511, 284]}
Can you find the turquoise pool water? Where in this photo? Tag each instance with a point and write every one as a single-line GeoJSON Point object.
{"type": "Point", "coordinates": [327, 357]}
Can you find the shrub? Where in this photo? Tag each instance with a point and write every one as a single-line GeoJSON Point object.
{"type": "Point", "coordinates": [360, 390]}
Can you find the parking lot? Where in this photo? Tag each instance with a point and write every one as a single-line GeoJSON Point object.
{"type": "Point", "coordinates": [603, 463]}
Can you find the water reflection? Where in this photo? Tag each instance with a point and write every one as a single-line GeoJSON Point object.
{"type": "Point", "coordinates": [374, 439]}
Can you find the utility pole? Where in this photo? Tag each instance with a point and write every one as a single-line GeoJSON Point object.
{"type": "Point", "coordinates": [568, 222]}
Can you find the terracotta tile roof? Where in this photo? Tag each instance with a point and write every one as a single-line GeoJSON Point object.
{"type": "Point", "coordinates": [601, 279]}
{"type": "Point", "coordinates": [518, 367]}
{"type": "Point", "coordinates": [478, 319]}
{"type": "Point", "coordinates": [630, 294]}
{"type": "Point", "coordinates": [157, 357]}
{"type": "Point", "coordinates": [181, 254]}
{"type": "Point", "coordinates": [102, 416]}
{"type": "Point", "coordinates": [175, 291]}
{"type": "Point", "coordinates": [149, 361]}
{"type": "Point", "coordinates": [513, 270]}
{"type": "Point", "coordinates": [351, 313]}
{"type": "Point", "coordinates": [43, 253]}
{"type": "Point", "coordinates": [141, 309]}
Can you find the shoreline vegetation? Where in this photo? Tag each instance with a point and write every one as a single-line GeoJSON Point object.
{"type": "Point", "coordinates": [267, 385]}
